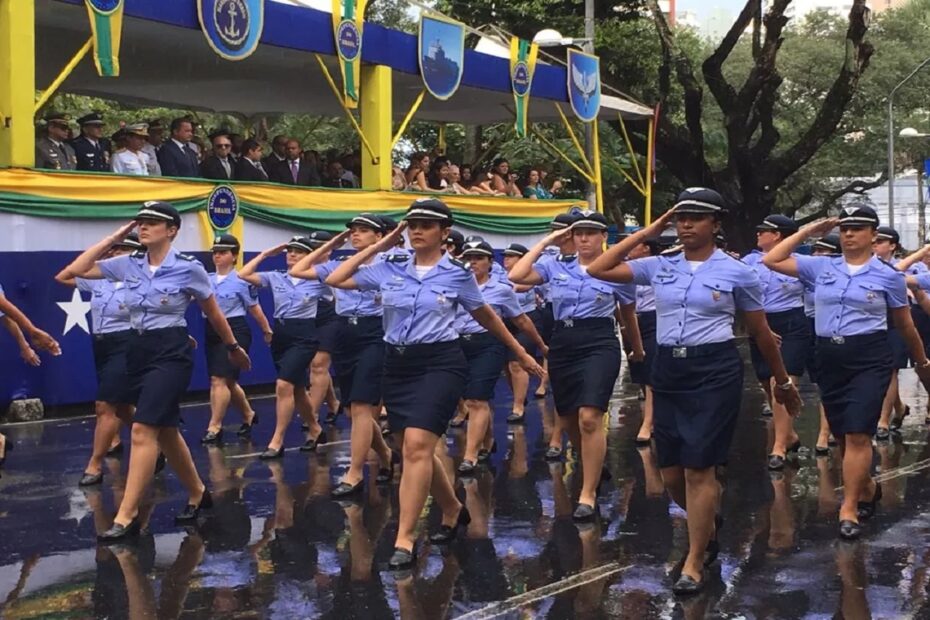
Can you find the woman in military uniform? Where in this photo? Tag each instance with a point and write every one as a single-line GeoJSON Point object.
{"type": "Point", "coordinates": [425, 368]}
{"type": "Point", "coordinates": [160, 284]}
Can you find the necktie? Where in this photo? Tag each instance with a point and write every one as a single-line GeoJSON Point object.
{"type": "Point", "coordinates": [191, 155]}
{"type": "Point", "coordinates": [226, 167]}
{"type": "Point", "coordinates": [294, 171]}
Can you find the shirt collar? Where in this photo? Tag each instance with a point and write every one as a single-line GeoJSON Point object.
{"type": "Point", "coordinates": [170, 259]}
{"type": "Point", "coordinates": [680, 263]}
{"type": "Point", "coordinates": [180, 144]}
{"type": "Point", "coordinates": [840, 263]}
{"type": "Point", "coordinates": [442, 265]}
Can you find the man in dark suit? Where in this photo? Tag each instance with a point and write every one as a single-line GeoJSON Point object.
{"type": "Point", "coordinates": [176, 157]}
{"type": "Point", "coordinates": [220, 165]}
{"type": "Point", "coordinates": [90, 148]}
{"type": "Point", "coordinates": [277, 155]}
{"type": "Point", "coordinates": [249, 167]}
{"type": "Point", "coordinates": [294, 170]}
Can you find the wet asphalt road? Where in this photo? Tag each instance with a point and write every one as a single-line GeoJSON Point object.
{"type": "Point", "coordinates": [276, 545]}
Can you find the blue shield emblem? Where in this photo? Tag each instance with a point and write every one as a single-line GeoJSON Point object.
{"type": "Point", "coordinates": [442, 55]}
{"type": "Point", "coordinates": [105, 6]}
{"type": "Point", "coordinates": [584, 84]}
{"type": "Point", "coordinates": [233, 28]}
{"type": "Point", "coordinates": [520, 79]}
{"type": "Point", "coordinates": [222, 207]}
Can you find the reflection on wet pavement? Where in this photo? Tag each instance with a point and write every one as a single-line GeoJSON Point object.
{"type": "Point", "coordinates": [277, 546]}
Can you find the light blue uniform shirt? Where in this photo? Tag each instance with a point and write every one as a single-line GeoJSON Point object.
{"type": "Point", "coordinates": [352, 302]}
{"type": "Point", "coordinates": [108, 310]}
{"type": "Point", "coordinates": [234, 295]}
{"type": "Point", "coordinates": [160, 299]}
{"type": "Point", "coordinates": [848, 305]}
{"type": "Point", "coordinates": [292, 301]}
{"type": "Point", "coordinates": [496, 294]}
{"type": "Point", "coordinates": [645, 298]}
{"type": "Point", "coordinates": [576, 295]}
{"type": "Point", "coordinates": [809, 302]}
{"type": "Point", "coordinates": [779, 292]}
{"type": "Point", "coordinates": [695, 308]}
{"type": "Point", "coordinates": [498, 272]}
{"type": "Point", "coordinates": [420, 312]}
{"type": "Point", "coordinates": [550, 252]}
{"type": "Point", "coordinates": [527, 299]}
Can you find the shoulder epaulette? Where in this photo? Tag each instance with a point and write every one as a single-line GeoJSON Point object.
{"type": "Point", "coordinates": [567, 258]}
{"type": "Point", "coordinates": [887, 264]}
{"type": "Point", "coordinates": [398, 258]}
{"type": "Point", "coordinates": [673, 251]}
{"type": "Point", "coordinates": [735, 257]}
{"type": "Point", "coordinates": [460, 263]}
{"type": "Point", "coordinates": [187, 257]}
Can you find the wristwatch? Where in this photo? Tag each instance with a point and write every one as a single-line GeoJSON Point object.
{"type": "Point", "coordinates": [786, 385]}
{"type": "Point", "coordinates": [232, 347]}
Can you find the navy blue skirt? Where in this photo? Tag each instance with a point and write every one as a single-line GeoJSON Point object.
{"type": "Point", "coordinates": [423, 384]}
{"type": "Point", "coordinates": [853, 376]}
{"type": "Point", "coordinates": [547, 316]}
{"type": "Point", "coordinates": [328, 326]}
{"type": "Point", "coordinates": [899, 356]}
{"type": "Point", "coordinates": [922, 323]}
{"type": "Point", "coordinates": [359, 360]}
{"type": "Point", "coordinates": [524, 338]}
{"type": "Point", "coordinates": [486, 357]}
{"type": "Point", "coordinates": [110, 362]}
{"type": "Point", "coordinates": [584, 362]}
{"type": "Point", "coordinates": [696, 402]}
{"type": "Point", "coordinates": [794, 328]}
{"type": "Point", "coordinates": [293, 346]}
{"type": "Point", "coordinates": [218, 364]}
{"type": "Point", "coordinates": [160, 363]}
{"type": "Point", "coordinates": [641, 372]}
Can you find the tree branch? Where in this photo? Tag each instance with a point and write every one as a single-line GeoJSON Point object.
{"type": "Point", "coordinates": [712, 68]}
{"type": "Point", "coordinates": [829, 200]}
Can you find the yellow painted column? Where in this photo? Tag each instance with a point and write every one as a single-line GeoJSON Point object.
{"type": "Point", "coordinates": [17, 82]}
{"type": "Point", "coordinates": [377, 125]}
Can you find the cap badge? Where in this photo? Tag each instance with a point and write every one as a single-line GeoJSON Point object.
{"type": "Point", "coordinates": [850, 210]}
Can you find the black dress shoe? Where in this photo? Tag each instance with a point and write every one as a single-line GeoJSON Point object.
{"type": "Point", "coordinates": [516, 418]}
{"type": "Point", "coordinates": [119, 532]}
{"type": "Point", "coordinates": [344, 489]}
{"type": "Point", "coordinates": [688, 585]}
{"type": "Point", "coordinates": [553, 453]}
{"type": "Point", "coordinates": [897, 422]}
{"type": "Point", "coordinates": [212, 438]}
{"type": "Point", "coordinates": [642, 442]}
{"type": "Point", "coordinates": [584, 512]}
{"type": "Point", "coordinates": [160, 463]}
{"type": "Point", "coordinates": [713, 545]}
{"type": "Point", "coordinates": [448, 533]}
{"type": "Point", "coordinates": [850, 530]}
{"type": "Point", "coordinates": [776, 462]}
{"type": "Point", "coordinates": [191, 511]}
{"type": "Point", "coordinates": [245, 429]}
{"type": "Point", "coordinates": [882, 434]}
{"type": "Point", "coordinates": [866, 510]}
{"type": "Point", "coordinates": [311, 444]}
{"type": "Point", "coordinates": [402, 559]}
{"type": "Point", "coordinates": [331, 417]}
{"type": "Point", "coordinates": [116, 450]}
{"type": "Point", "coordinates": [89, 480]}
{"type": "Point", "coordinates": [794, 447]}
{"type": "Point", "coordinates": [484, 455]}
{"type": "Point", "coordinates": [270, 453]}
{"type": "Point", "coordinates": [821, 450]}
{"type": "Point", "coordinates": [467, 468]}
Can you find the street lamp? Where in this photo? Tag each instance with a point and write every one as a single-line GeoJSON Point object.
{"type": "Point", "coordinates": [553, 38]}
{"type": "Point", "coordinates": [891, 138]}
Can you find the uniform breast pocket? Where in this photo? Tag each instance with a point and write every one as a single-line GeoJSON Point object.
{"type": "Point", "coordinates": [564, 290]}
{"type": "Point", "coordinates": [396, 295]}
{"type": "Point", "coordinates": [789, 285]}
{"type": "Point", "coordinates": [717, 292]}
{"type": "Point", "coordinates": [602, 293]}
{"type": "Point", "coordinates": [871, 294]}
{"type": "Point", "coordinates": [168, 298]}
{"type": "Point", "coordinates": [441, 298]}
{"type": "Point", "coordinates": [133, 293]}
{"type": "Point", "coordinates": [667, 288]}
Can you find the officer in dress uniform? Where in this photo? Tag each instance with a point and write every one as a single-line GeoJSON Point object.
{"type": "Point", "coordinates": [359, 354]}
{"type": "Point", "coordinates": [294, 342]}
{"type": "Point", "coordinates": [425, 368]}
{"type": "Point", "coordinates": [236, 298]}
{"type": "Point", "coordinates": [52, 151]}
{"type": "Point", "coordinates": [783, 301]}
{"type": "Point", "coordinates": [697, 377]}
{"type": "Point", "coordinates": [855, 295]}
{"type": "Point", "coordinates": [111, 333]}
{"type": "Point", "coordinates": [159, 285]}
{"type": "Point", "coordinates": [485, 354]}
{"type": "Point", "coordinates": [328, 333]}
{"type": "Point", "coordinates": [828, 245]}
{"type": "Point", "coordinates": [528, 298]}
{"type": "Point", "coordinates": [90, 147]}
{"type": "Point", "coordinates": [915, 265]}
{"type": "Point", "coordinates": [584, 352]}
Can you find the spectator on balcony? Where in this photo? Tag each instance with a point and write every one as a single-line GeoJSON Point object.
{"type": "Point", "coordinates": [91, 148]}
{"type": "Point", "coordinates": [454, 187]}
{"type": "Point", "coordinates": [534, 189]}
{"type": "Point", "coordinates": [53, 151]}
{"type": "Point", "coordinates": [416, 172]}
{"type": "Point", "coordinates": [131, 159]}
{"type": "Point", "coordinates": [277, 154]}
{"type": "Point", "coordinates": [438, 171]}
{"type": "Point", "coordinates": [398, 179]}
{"type": "Point", "coordinates": [249, 167]}
{"type": "Point", "coordinates": [351, 169]}
{"type": "Point", "coordinates": [237, 139]}
{"type": "Point", "coordinates": [152, 144]}
{"type": "Point", "coordinates": [219, 166]}
{"type": "Point", "coordinates": [335, 176]}
{"type": "Point", "coordinates": [176, 157]}
{"type": "Point", "coordinates": [503, 181]}
{"type": "Point", "coordinates": [294, 170]}
{"type": "Point", "coordinates": [482, 185]}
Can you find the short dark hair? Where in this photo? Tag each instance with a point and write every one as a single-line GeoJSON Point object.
{"type": "Point", "coordinates": [278, 138]}
{"type": "Point", "coordinates": [250, 144]}
{"type": "Point", "coordinates": [177, 122]}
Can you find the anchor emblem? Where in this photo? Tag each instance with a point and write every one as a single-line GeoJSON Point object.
{"type": "Point", "coordinates": [231, 19]}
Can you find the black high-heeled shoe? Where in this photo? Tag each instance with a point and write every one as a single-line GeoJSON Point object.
{"type": "Point", "coordinates": [271, 453]}
{"type": "Point", "coordinates": [312, 444]}
{"type": "Point", "coordinates": [850, 530]}
{"type": "Point", "coordinates": [402, 559]}
{"type": "Point", "coordinates": [713, 545]}
{"type": "Point", "coordinates": [897, 422]}
{"type": "Point", "coordinates": [245, 429]}
{"type": "Point", "coordinates": [116, 450]}
{"type": "Point", "coordinates": [212, 438]}
{"type": "Point", "coordinates": [448, 533]}
{"type": "Point", "coordinates": [89, 480]}
{"type": "Point", "coordinates": [118, 532]}
{"type": "Point", "coordinates": [191, 511]}
{"type": "Point", "coordinates": [866, 510]}
{"type": "Point", "coordinates": [344, 489]}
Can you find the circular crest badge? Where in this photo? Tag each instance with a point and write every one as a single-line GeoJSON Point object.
{"type": "Point", "coordinates": [105, 6]}
{"type": "Point", "coordinates": [231, 21]}
{"type": "Point", "coordinates": [521, 78]}
{"type": "Point", "coordinates": [222, 207]}
{"type": "Point", "coordinates": [348, 40]}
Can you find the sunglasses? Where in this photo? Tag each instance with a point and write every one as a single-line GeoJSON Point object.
{"type": "Point", "coordinates": [222, 146]}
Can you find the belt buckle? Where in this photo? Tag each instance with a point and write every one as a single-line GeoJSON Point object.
{"type": "Point", "coordinates": [838, 340]}
{"type": "Point", "coordinates": [353, 320]}
{"type": "Point", "coordinates": [400, 350]}
{"type": "Point", "coordinates": [466, 336]}
{"type": "Point", "coordinates": [568, 322]}
{"type": "Point", "coordinates": [680, 352]}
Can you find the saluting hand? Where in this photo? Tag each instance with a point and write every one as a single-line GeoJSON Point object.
{"type": "Point", "coordinates": [820, 227]}
{"type": "Point", "coordinates": [556, 237]}
{"type": "Point", "coordinates": [275, 250]}
{"type": "Point", "coordinates": [240, 359]}
{"type": "Point", "coordinates": [790, 398]}
{"type": "Point", "coordinates": [120, 233]}
{"type": "Point", "coordinates": [390, 240]}
{"type": "Point", "coordinates": [659, 224]}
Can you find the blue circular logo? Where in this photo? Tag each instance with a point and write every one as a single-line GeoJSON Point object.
{"type": "Point", "coordinates": [231, 20]}
{"type": "Point", "coordinates": [348, 40]}
{"type": "Point", "coordinates": [105, 6]}
{"type": "Point", "coordinates": [521, 78]}
{"type": "Point", "coordinates": [222, 207]}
